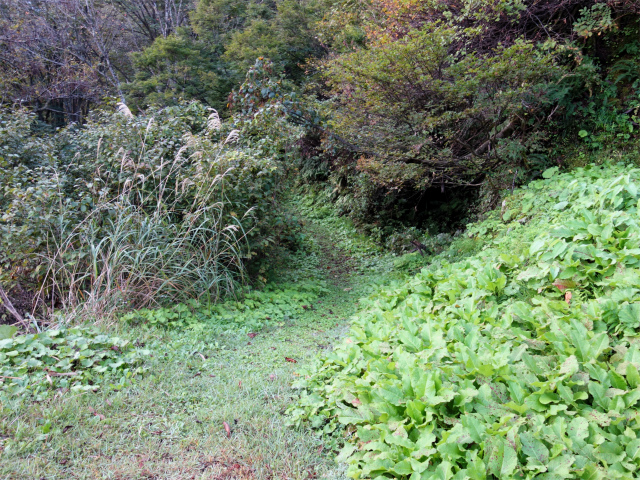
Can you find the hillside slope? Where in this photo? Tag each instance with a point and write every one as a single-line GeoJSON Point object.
{"type": "Point", "coordinates": [515, 354]}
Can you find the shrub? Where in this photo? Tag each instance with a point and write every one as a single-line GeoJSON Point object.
{"type": "Point", "coordinates": [128, 212]}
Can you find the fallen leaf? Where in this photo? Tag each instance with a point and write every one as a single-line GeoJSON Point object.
{"type": "Point", "coordinates": [227, 429]}
{"type": "Point", "coordinates": [562, 285]}
{"type": "Point", "coordinates": [251, 335]}
{"type": "Point", "coordinates": [290, 360]}
{"type": "Point", "coordinates": [99, 415]}
{"type": "Point", "coordinates": [67, 428]}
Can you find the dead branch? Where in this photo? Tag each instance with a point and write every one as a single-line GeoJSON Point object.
{"type": "Point", "coordinates": [9, 306]}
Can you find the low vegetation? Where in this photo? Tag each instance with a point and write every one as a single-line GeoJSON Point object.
{"type": "Point", "coordinates": [518, 361]}
{"type": "Point", "coordinates": [217, 380]}
{"type": "Point", "coordinates": [195, 193]}
{"type": "Point", "coordinates": [33, 367]}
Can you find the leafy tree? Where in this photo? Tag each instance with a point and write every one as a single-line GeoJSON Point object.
{"type": "Point", "coordinates": [179, 67]}
{"type": "Point", "coordinates": [437, 93]}
{"type": "Point", "coordinates": [207, 59]}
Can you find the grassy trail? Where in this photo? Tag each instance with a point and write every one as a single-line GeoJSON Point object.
{"type": "Point", "coordinates": [172, 423]}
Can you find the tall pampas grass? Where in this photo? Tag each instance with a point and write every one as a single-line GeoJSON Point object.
{"type": "Point", "coordinates": [146, 247]}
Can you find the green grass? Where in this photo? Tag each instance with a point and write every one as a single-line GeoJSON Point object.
{"type": "Point", "coordinates": [170, 424]}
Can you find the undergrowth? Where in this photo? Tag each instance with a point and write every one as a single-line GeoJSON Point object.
{"type": "Point", "coordinates": [216, 384]}
{"type": "Point", "coordinates": [275, 303]}
{"type": "Point", "coordinates": [513, 355]}
{"type": "Point", "coordinates": [34, 367]}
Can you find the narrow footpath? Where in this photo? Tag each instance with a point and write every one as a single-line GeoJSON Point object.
{"type": "Point", "coordinates": [207, 408]}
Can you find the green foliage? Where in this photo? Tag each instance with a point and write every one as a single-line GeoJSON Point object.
{"type": "Point", "coordinates": [209, 58]}
{"type": "Point", "coordinates": [178, 67]}
{"type": "Point", "coordinates": [520, 361]}
{"type": "Point", "coordinates": [271, 114]}
{"type": "Point", "coordinates": [428, 95]}
{"type": "Point", "coordinates": [419, 138]}
{"type": "Point", "coordinates": [271, 305]}
{"type": "Point", "coordinates": [7, 331]}
{"type": "Point", "coordinates": [343, 231]}
{"type": "Point", "coordinates": [131, 212]}
{"type": "Point", "coordinates": [34, 366]}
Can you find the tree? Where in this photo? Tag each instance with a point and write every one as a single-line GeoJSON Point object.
{"type": "Point", "coordinates": [59, 57]}
{"type": "Point", "coordinates": [155, 18]}
{"type": "Point", "coordinates": [454, 92]}
{"type": "Point", "coordinates": [205, 60]}
{"type": "Point", "coordinates": [179, 67]}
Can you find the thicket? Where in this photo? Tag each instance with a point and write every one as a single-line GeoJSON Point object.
{"type": "Point", "coordinates": [518, 361]}
{"type": "Point", "coordinates": [128, 212]}
{"type": "Point", "coordinates": [438, 102]}
{"type": "Point", "coordinates": [428, 109]}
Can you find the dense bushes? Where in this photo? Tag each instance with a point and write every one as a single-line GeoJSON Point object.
{"type": "Point", "coordinates": [432, 95]}
{"type": "Point", "coordinates": [129, 211]}
{"type": "Point", "coordinates": [520, 361]}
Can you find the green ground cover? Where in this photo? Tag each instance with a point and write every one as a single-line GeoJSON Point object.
{"type": "Point", "coordinates": [514, 354]}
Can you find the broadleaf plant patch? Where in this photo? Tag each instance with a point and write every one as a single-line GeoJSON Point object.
{"type": "Point", "coordinates": [521, 361]}
{"type": "Point", "coordinates": [76, 359]}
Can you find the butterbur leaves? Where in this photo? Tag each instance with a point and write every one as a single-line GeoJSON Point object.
{"type": "Point", "coordinates": [534, 448]}
{"type": "Point", "coordinates": [474, 379]}
{"type": "Point", "coordinates": [35, 365]}
{"type": "Point", "coordinates": [7, 331]}
{"type": "Point", "coordinates": [502, 457]}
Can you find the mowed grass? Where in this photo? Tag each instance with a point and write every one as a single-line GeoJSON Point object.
{"type": "Point", "coordinates": [172, 422]}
